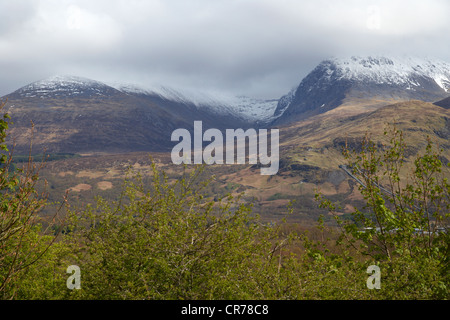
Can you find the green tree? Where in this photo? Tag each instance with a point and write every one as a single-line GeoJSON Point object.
{"type": "Point", "coordinates": [166, 241]}
{"type": "Point", "coordinates": [404, 225]}
{"type": "Point", "coordinates": [22, 239]}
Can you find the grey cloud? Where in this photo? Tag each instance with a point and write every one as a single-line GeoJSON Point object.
{"type": "Point", "coordinates": [256, 47]}
{"type": "Point", "coordinates": [14, 17]}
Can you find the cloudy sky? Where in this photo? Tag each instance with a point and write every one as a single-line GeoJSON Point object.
{"type": "Point", "coordinates": [260, 48]}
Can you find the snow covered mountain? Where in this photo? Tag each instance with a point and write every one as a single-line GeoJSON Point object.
{"type": "Point", "coordinates": [64, 86]}
{"type": "Point", "coordinates": [384, 78]}
{"type": "Point", "coordinates": [243, 107]}
{"type": "Point", "coordinates": [75, 114]}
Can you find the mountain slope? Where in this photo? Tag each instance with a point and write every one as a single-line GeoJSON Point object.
{"type": "Point", "coordinates": [318, 141]}
{"type": "Point", "coordinates": [337, 81]}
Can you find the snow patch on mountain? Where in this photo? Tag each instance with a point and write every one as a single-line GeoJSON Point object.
{"type": "Point", "coordinates": [393, 70]}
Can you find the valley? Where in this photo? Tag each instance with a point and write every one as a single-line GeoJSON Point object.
{"type": "Point", "coordinates": [310, 157]}
{"type": "Point", "coordinates": [105, 131]}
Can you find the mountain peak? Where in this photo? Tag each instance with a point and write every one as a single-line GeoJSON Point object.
{"type": "Point", "coordinates": [384, 78]}
{"type": "Point", "coordinates": [64, 85]}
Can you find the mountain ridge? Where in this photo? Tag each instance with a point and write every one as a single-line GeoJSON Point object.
{"type": "Point", "coordinates": [76, 114]}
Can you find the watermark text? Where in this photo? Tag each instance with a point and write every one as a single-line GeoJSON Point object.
{"type": "Point", "coordinates": [231, 151]}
